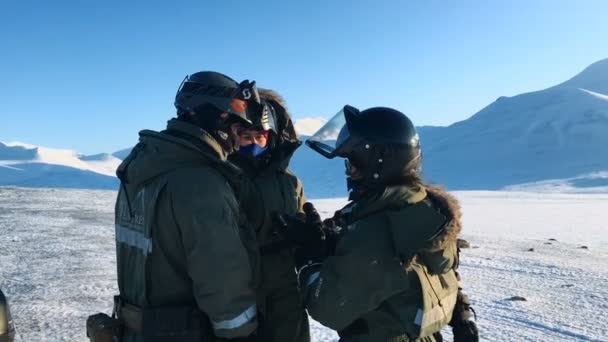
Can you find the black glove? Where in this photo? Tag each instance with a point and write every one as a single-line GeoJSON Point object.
{"type": "Point", "coordinates": [466, 332]}
{"type": "Point", "coordinates": [306, 232]}
{"type": "Point", "coordinates": [333, 233]}
{"type": "Point", "coordinates": [464, 328]}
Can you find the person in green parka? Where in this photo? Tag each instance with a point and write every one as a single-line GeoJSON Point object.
{"type": "Point", "coordinates": [186, 263]}
{"type": "Point", "coordinates": [266, 147]}
{"type": "Point", "coordinates": [384, 267]}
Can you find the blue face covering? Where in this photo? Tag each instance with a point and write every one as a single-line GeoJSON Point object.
{"type": "Point", "coordinates": [254, 150]}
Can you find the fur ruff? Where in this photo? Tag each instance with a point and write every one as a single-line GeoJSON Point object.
{"type": "Point", "coordinates": [449, 206]}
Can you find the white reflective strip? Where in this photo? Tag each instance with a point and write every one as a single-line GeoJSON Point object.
{"type": "Point", "coordinates": [419, 315]}
{"type": "Point", "coordinates": [437, 313]}
{"type": "Point", "coordinates": [237, 322]}
{"type": "Point", "coordinates": [133, 238]}
{"type": "Point", "coordinates": [313, 277]}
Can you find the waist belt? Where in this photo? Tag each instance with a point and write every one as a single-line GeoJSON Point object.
{"type": "Point", "coordinates": [131, 316]}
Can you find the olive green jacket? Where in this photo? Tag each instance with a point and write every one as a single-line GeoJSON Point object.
{"type": "Point", "coordinates": [279, 191]}
{"type": "Point", "coordinates": [178, 239]}
{"type": "Point", "coordinates": [392, 271]}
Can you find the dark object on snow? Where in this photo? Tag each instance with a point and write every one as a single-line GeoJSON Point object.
{"type": "Point", "coordinates": [7, 328]}
{"type": "Point", "coordinates": [463, 243]}
{"type": "Point", "coordinates": [584, 247]}
{"type": "Point", "coordinates": [531, 250]}
{"type": "Point", "coordinates": [548, 243]}
{"type": "Point", "coordinates": [552, 239]}
{"type": "Point", "coordinates": [567, 285]}
{"type": "Point", "coordinates": [517, 299]}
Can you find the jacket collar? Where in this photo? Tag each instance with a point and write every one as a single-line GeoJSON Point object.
{"type": "Point", "coordinates": [370, 202]}
{"type": "Point", "coordinates": [193, 135]}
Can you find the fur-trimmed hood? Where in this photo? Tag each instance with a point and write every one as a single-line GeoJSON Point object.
{"type": "Point", "coordinates": [287, 141]}
{"type": "Point", "coordinates": [288, 138]}
{"type": "Point", "coordinates": [422, 219]}
{"type": "Point", "coordinates": [449, 206]}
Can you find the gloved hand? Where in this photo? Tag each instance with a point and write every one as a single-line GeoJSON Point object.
{"type": "Point", "coordinates": [464, 328]}
{"type": "Point", "coordinates": [333, 233]}
{"type": "Point", "coordinates": [466, 331]}
{"type": "Point", "coordinates": [306, 232]}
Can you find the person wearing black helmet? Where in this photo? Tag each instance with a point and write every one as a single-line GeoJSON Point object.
{"type": "Point", "coordinates": [384, 267]}
{"type": "Point", "coordinates": [185, 267]}
{"type": "Point", "coordinates": [266, 147]}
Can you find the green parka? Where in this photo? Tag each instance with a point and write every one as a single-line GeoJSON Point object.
{"type": "Point", "coordinates": [178, 239]}
{"type": "Point", "coordinates": [392, 276]}
{"type": "Point", "coordinates": [279, 192]}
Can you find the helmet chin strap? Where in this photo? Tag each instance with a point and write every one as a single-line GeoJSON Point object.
{"type": "Point", "coordinates": [225, 135]}
{"type": "Point", "coordinates": [354, 181]}
{"type": "Point", "coordinates": [371, 175]}
{"type": "Point", "coordinates": [352, 185]}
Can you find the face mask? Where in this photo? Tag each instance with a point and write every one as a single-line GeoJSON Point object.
{"type": "Point", "coordinates": [254, 150]}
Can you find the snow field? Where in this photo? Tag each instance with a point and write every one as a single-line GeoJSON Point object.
{"type": "Point", "coordinates": [57, 262]}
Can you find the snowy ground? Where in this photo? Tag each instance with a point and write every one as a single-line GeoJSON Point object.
{"type": "Point", "coordinates": [57, 262]}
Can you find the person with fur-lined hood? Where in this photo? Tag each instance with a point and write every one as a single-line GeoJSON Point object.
{"type": "Point", "coordinates": [384, 267]}
{"type": "Point", "coordinates": [266, 148]}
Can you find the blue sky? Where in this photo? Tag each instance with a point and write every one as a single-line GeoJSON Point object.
{"type": "Point", "coordinates": [89, 74]}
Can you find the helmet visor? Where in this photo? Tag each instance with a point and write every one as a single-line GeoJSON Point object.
{"type": "Point", "coordinates": [328, 140]}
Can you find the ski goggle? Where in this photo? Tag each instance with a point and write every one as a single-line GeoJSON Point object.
{"type": "Point", "coordinates": [244, 100]}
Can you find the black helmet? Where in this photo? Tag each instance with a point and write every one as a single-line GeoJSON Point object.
{"type": "Point", "coordinates": [381, 142]}
{"type": "Point", "coordinates": [202, 90]}
{"type": "Point", "coordinates": [214, 101]}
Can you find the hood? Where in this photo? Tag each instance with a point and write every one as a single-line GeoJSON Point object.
{"type": "Point", "coordinates": [160, 152]}
{"type": "Point", "coordinates": [370, 202]}
{"type": "Point", "coordinates": [421, 218]}
{"type": "Point", "coordinates": [448, 205]}
{"type": "Point", "coordinates": [287, 142]}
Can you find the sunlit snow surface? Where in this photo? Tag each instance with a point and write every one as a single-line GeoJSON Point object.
{"type": "Point", "coordinates": [57, 262]}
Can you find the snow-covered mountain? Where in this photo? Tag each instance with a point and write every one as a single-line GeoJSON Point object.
{"type": "Point", "coordinates": [557, 135]}
{"type": "Point", "coordinates": [122, 154]}
{"type": "Point", "coordinates": [35, 166]}
{"type": "Point", "coordinates": [28, 165]}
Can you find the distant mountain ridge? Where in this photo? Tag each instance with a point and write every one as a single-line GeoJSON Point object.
{"type": "Point", "coordinates": [559, 132]}
{"type": "Point", "coordinates": [552, 138]}
{"type": "Point", "coordinates": [34, 166]}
